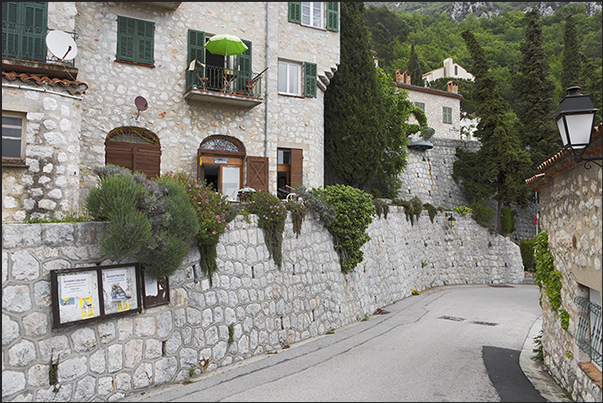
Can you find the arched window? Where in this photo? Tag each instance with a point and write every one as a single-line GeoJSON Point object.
{"type": "Point", "coordinates": [134, 148]}
{"type": "Point", "coordinates": [221, 164]}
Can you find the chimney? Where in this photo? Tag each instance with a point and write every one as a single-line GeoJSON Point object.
{"type": "Point", "coordinates": [453, 86]}
{"type": "Point", "coordinates": [403, 77]}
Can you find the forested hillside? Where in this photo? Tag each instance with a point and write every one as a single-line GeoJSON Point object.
{"type": "Point", "coordinates": [437, 36]}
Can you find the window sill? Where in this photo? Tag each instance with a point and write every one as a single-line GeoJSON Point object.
{"type": "Point", "coordinates": [591, 371]}
{"type": "Point", "coordinates": [291, 95]}
{"type": "Point", "coordinates": [13, 163]}
{"type": "Point", "coordinates": [135, 63]}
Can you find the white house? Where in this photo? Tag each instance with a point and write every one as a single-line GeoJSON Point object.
{"type": "Point", "coordinates": [450, 69]}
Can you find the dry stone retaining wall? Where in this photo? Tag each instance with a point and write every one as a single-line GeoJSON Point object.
{"type": "Point", "coordinates": [107, 359]}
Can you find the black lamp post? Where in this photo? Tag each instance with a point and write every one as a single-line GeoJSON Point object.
{"type": "Point", "coordinates": [575, 122]}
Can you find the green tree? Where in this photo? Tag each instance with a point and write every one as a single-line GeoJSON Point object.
{"type": "Point", "coordinates": [535, 104]}
{"type": "Point", "coordinates": [355, 136]}
{"type": "Point", "coordinates": [396, 111]}
{"type": "Point", "coordinates": [499, 168]}
{"type": "Point", "coordinates": [414, 66]}
{"type": "Point", "coordinates": [591, 78]}
{"type": "Point", "coordinates": [570, 75]}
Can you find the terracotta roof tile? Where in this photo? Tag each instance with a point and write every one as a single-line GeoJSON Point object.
{"type": "Point", "coordinates": [72, 86]}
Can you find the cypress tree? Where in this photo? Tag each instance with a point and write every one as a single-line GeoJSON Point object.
{"type": "Point", "coordinates": [570, 73]}
{"type": "Point", "coordinates": [499, 168]}
{"type": "Point", "coordinates": [355, 137]}
{"type": "Point", "coordinates": [535, 95]}
{"type": "Point", "coordinates": [414, 66]}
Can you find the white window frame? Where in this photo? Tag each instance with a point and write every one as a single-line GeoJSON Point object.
{"type": "Point", "coordinates": [420, 105]}
{"type": "Point", "coordinates": [22, 139]}
{"type": "Point", "coordinates": [310, 19]}
{"type": "Point", "coordinates": [286, 79]}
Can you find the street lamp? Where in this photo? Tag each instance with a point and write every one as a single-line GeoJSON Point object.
{"type": "Point", "coordinates": [575, 122]}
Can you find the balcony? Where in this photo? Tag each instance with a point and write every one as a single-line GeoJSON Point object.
{"type": "Point", "coordinates": [24, 51]}
{"type": "Point", "coordinates": [224, 86]}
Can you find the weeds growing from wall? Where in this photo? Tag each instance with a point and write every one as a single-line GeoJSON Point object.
{"type": "Point", "coordinates": [271, 218]}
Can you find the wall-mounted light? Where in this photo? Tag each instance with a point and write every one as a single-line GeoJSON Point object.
{"type": "Point", "coordinates": [575, 122]}
{"type": "Point", "coordinates": [451, 221]}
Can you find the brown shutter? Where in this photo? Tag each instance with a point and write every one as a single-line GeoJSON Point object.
{"type": "Point", "coordinates": [120, 154]}
{"type": "Point", "coordinates": [147, 158]}
{"type": "Point", "coordinates": [257, 173]}
{"type": "Point", "coordinates": [297, 167]}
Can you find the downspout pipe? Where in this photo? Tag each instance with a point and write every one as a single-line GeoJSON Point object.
{"type": "Point", "coordinates": [267, 76]}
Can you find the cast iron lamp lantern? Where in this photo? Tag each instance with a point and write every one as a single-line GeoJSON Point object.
{"type": "Point", "coordinates": [575, 122]}
{"type": "Point", "coordinates": [451, 220]}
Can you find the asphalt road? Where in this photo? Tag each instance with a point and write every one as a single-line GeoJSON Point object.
{"type": "Point", "coordinates": [454, 343]}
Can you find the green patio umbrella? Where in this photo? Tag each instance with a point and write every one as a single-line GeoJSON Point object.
{"type": "Point", "coordinates": [225, 45]}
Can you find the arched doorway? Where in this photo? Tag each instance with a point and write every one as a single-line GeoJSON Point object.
{"type": "Point", "coordinates": [134, 148]}
{"type": "Point", "coordinates": [221, 164]}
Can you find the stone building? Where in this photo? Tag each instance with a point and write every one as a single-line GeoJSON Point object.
{"type": "Point", "coordinates": [570, 211]}
{"type": "Point", "coordinates": [143, 92]}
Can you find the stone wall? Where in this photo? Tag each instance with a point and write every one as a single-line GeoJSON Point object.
{"type": "Point", "coordinates": [269, 308]}
{"type": "Point", "coordinates": [571, 214]}
{"type": "Point", "coordinates": [428, 176]}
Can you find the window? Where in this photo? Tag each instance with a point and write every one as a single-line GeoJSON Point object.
{"type": "Point", "coordinates": [290, 78]}
{"type": "Point", "coordinates": [221, 164]}
{"type": "Point", "coordinates": [588, 335]}
{"type": "Point", "coordinates": [315, 14]}
{"type": "Point", "coordinates": [312, 13]}
{"type": "Point", "coordinates": [456, 70]}
{"type": "Point", "coordinates": [24, 30]}
{"type": "Point", "coordinates": [12, 135]}
{"type": "Point", "coordinates": [447, 114]}
{"type": "Point", "coordinates": [135, 40]}
{"type": "Point", "coordinates": [420, 105]}
{"type": "Point", "coordinates": [289, 170]}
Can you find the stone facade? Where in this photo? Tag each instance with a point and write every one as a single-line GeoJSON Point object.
{"type": "Point", "coordinates": [80, 128]}
{"type": "Point", "coordinates": [428, 175]}
{"type": "Point", "coordinates": [570, 208]}
{"type": "Point", "coordinates": [107, 359]}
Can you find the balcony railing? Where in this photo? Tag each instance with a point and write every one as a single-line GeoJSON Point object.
{"type": "Point", "coordinates": [588, 336]}
{"type": "Point", "coordinates": [27, 42]}
{"type": "Point", "coordinates": [217, 84]}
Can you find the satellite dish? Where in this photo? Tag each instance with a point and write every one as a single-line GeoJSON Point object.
{"type": "Point", "coordinates": [141, 103]}
{"type": "Point", "coordinates": [61, 45]}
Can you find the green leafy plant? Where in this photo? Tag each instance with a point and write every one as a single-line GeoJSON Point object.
{"type": "Point", "coordinates": [431, 210]}
{"type": "Point", "coordinates": [271, 218]}
{"type": "Point", "coordinates": [231, 332]}
{"type": "Point", "coordinates": [424, 263]}
{"type": "Point", "coordinates": [70, 217]}
{"type": "Point", "coordinates": [353, 213]}
{"type": "Point", "coordinates": [538, 350]}
{"type": "Point", "coordinates": [213, 212]}
{"type": "Point", "coordinates": [481, 212]}
{"type": "Point", "coordinates": [316, 203]}
{"type": "Point", "coordinates": [507, 220]}
{"type": "Point", "coordinates": [416, 292]}
{"type": "Point", "coordinates": [548, 278]}
{"type": "Point", "coordinates": [381, 207]}
{"type": "Point", "coordinates": [330, 331]}
{"type": "Point", "coordinates": [568, 354]}
{"type": "Point", "coordinates": [149, 220]}
{"type": "Point", "coordinates": [298, 214]}
{"type": "Point", "coordinates": [462, 210]}
{"type": "Point", "coordinates": [412, 208]}
{"type": "Point", "coordinates": [526, 247]}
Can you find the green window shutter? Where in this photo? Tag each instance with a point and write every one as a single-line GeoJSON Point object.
{"type": "Point", "coordinates": [295, 12]}
{"type": "Point", "coordinates": [333, 16]}
{"type": "Point", "coordinates": [447, 118]}
{"type": "Point", "coordinates": [135, 40]}
{"type": "Point", "coordinates": [310, 80]}
{"type": "Point", "coordinates": [24, 26]}
{"type": "Point", "coordinates": [244, 66]}
{"type": "Point", "coordinates": [10, 29]}
{"type": "Point", "coordinates": [196, 40]}
{"type": "Point", "coordinates": [146, 39]}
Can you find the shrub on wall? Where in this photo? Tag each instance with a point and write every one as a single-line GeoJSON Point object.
{"type": "Point", "coordinates": [298, 214]}
{"type": "Point", "coordinates": [150, 220]}
{"type": "Point", "coordinates": [271, 218]}
{"type": "Point", "coordinates": [353, 213]}
{"type": "Point", "coordinates": [213, 212]}
{"type": "Point", "coordinates": [481, 212]}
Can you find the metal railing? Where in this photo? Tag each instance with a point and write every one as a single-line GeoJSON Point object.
{"type": "Point", "coordinates": [27, 42]}
{"type": "Point", "coordinates": [588, 334]}
{"type": "Point", "coordinates": [228, 81]}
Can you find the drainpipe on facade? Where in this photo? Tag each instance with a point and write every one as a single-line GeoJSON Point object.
{"type": "Point", "coordinates": [267, 75]}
